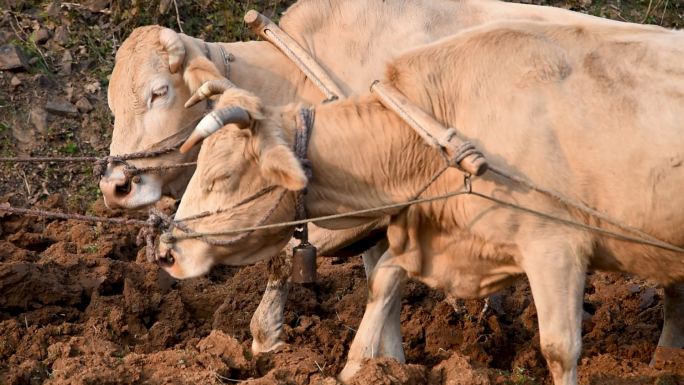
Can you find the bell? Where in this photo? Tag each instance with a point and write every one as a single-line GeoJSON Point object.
{"type": "Point", "coordinates": [304, 263]}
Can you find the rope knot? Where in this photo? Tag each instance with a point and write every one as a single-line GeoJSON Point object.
{"type": "Point", "coordinates": [167, 238]}
{"type": "Point", "coordinates": [147, 234]}
{"type": "Point", "coordinates": [100, 167]}
{"type": "Point", "coordinates": [130, 172]}
{"type": "Point", "coordinates": [461, 153]}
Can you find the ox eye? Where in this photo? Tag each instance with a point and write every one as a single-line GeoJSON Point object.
{"type": "Point", "coordinates": [159, 93]}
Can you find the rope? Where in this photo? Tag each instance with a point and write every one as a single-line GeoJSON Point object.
{"type": "Point", "coordinates": [655, 242]}
{"type": "Point", "coordinates": [658, 244]}
{"type": "Point", "coordinates": [227, 58]}
{"type": "Point", "coordinates": [309, 73]}
{"type": "Point", "coordinates": [242, 202]}
{"type": "Point", "coordinates": [58, 215]}
{"type": "Point", "coordinates": [571, 203]}
{"type": "Point", "coordinates": [310, 220]}
{"type": "Point", "coordinates": [56, 159]}
{"type": "Point", "coordinates": [170, 238]}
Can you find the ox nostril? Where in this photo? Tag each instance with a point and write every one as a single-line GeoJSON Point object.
{"type": "Point", "coordinates": [165, 259]}
{"type": "Point", "coordinates": [124, 188]}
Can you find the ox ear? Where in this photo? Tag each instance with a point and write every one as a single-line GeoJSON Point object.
{"type": "Point", "coordinates": [174, 47]}
{"type": "Point", "coordinates": [279, 164]}
{"type": "Point", "coordinates": [199, 71]}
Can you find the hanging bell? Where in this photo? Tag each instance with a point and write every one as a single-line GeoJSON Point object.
{"type": "Point", "coordinates": [304, 263]}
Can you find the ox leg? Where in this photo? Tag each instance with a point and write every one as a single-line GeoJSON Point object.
{"type": "Point", "coordinates": [557, 280]}
{"type": "Point", "coordinates": [384, 287]}
{"type": "Point", "coordinates": [673, 318]}
{"type": "Point", "coordinates": [390, 341]}
{"type": "Point", "coordinates": [267, 322]}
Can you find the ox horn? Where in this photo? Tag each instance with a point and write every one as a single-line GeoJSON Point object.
{"type": "Point", "coordinates": [173, 45]}
{"type": "Point", "coordinates": [209, 89]}
{"type": "Point", "coordinates": [213, 122]}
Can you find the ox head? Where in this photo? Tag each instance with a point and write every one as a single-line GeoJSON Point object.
{"type": "Point", "coordinates": [247, 156]}
{"type": "Point", "coordinates": [155, 73]}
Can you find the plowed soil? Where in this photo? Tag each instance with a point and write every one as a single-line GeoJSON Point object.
{"type": "Point", "coordinates": [79, 304]}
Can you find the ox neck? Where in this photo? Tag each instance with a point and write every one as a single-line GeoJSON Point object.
{"type": "Point", "coordinates": [363, 156]}
{"type": "Point", "coordinates": [261, 68]}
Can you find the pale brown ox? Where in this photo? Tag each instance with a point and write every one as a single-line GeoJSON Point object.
{"type": "Point", "coordinates": [147, 94]}
{"type": "Point", "coordinates": [594, 112]}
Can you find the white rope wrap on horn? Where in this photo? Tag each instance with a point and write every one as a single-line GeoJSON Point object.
{"type": "Point", "coordinates": [209, 89]}
{"type": "Point", "coordinates": [213, 122]}
{"type": "Point", "coordinates": [173, 45]}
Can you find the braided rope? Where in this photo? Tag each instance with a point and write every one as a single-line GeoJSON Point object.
{"type": "Point", "coordinates": [58, 215]}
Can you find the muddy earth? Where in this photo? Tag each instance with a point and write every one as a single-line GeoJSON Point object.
{"type": "Point", "coordinates": [79, 304]}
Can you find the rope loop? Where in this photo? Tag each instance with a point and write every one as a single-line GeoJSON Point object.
{"type": "Point", "coordinates": [467, 182]}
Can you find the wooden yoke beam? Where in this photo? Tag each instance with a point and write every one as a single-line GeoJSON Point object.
{"type": "Point", "coordinates": [269, 31]}
{"type": "Point", "coordinates": [429, 128]}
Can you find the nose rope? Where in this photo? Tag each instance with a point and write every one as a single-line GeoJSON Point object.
{"type": "Point", "coordinates": [169, 238]}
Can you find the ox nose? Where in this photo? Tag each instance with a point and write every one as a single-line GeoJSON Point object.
{"type": "Point", "coordinates": [115, 189]}
{"type": "Point", "coordinates": [163, 257]}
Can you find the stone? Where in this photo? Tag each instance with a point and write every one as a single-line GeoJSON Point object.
{"type": "Point", "coordinates": [53, 8]}
{"type": "Point", "coordinates": [62, 108]}
{"type": "Point", "coordinates": [15, 81]}
{"type": "Point", "coordinates": [95, 141]}
{"type": "Point", "coordinates": [62, 35]}
{"type": "Point", "coordinates": [39, 117]}
{"type": "Point", "coordinates": [65, 70]}
{"type": "Point", "coordinates": [164, 6]}
{"type": "Point", "coordinates": [84, 105]}
{"type": "Point", "coordinates": [67, 59]}
{"type": "Point", "coordinates": [7, 37]}
{"type": "Point", "coordinates": [41, 35]}
{"type": "Point", "coordinates": [42, 80]}
{"type": "Point", "coordinates": [96, 5]}
{"type": "Point", "coordinates": [86, 65]}
{"type": "Point", "coordinates": [33, 60]}
{"type": "Point", "coordinates": [22, 134]}
{"type": "Point", "coordinates": [13, 58]}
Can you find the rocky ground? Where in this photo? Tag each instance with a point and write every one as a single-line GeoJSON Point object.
{"type": "Point", "coordinates": [79, 304]}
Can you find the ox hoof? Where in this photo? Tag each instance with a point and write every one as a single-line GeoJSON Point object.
{"type": "Point", "coordinates": [263, 347]}
{"type": "Point", "coordinates": [350, 369]}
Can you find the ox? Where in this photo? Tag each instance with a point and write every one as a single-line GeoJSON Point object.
{"type": "Point", "coordinates": [157, 70]}
{"type": "Point", "coordinates": [594, 112]}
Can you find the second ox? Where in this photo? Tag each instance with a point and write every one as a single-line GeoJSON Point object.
{"type": "Point", "coordinates": [593, 112]}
